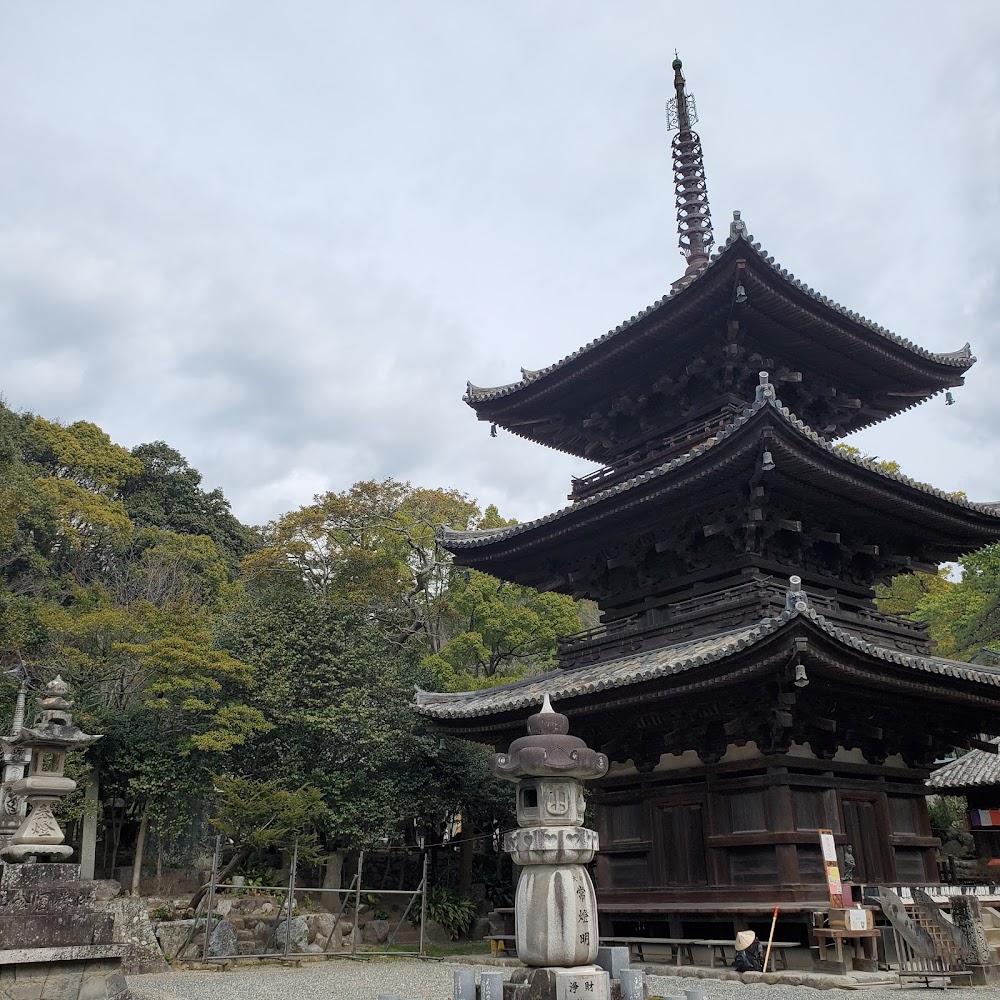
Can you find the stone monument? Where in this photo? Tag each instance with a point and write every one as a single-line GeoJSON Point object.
{"type": "Point", "coordinates": [555, 909]}
{"type": "Point", "coordinates": [55, 940]}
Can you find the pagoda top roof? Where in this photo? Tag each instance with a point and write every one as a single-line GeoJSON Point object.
{"type": "Point", "coordinates": [971, 770]}
{"type": "Point", "coordinates": [766, 403]}
{"type": "Point", "coordinates": [961, 359]}
{"type": "Point", "coordinates": [684, 658]}
{"type": "Point", "coordinates": [870, 354]}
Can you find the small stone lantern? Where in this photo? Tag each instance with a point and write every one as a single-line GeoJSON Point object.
{"type": "Point", "coordinates": [48, 740]}
{"type": "Point", "coordinates": [556, 907]}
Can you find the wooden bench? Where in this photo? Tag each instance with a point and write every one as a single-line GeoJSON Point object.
{"type": "Point", "coordinates": [778, 949]}
{"type": "Point", "coordinates": [679, 947]}
{"type": "Point", "coordinates": [501, 944]}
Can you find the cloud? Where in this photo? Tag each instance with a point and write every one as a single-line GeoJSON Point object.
{"type": "Point", "coordinates": [284, 244]}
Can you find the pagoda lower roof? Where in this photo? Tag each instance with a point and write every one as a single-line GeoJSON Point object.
{"type": "Point", "coordinates": [974, 769]}
{"type": "Point", "coordinates": [960, 524]}
{"type": "Point", "coordinates": [839, 342]}
{"type": "Point", "coordinates": [619, 681]}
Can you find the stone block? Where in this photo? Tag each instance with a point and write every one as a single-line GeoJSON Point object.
{"type": "Point", "coordinates": [172, 934]}
{"type": "Point", "coordinates": [633, 984]}
{"type": "Point", "coordinates": [613, 960]}
{"type": "Point", "coordinates": [464, 987]}
{"type": "Point", "coordinates": [106, 888]}
{"type": "Point", "coordinates": [133, 929]}
{"type": "Point", "coordinates": [581, 983]}
{"type": "Point", "coordinates": [491, 986]}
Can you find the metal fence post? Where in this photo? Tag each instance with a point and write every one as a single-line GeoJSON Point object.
{"type": "Point", "coordinates": [291, 899]}
{"type": "Point", "coordinates": [211, 896]}
{"type": "Point", "coordinates": [423, 907]}
{"type": "Point", "coordinates": [357, 904]}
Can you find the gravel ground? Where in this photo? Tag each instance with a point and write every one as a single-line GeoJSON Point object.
{"type": "Point", "coordinates": [347, 980]}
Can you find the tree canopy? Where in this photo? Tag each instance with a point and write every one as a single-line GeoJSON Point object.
{"type": "Point", "coordinates": [230, 666]}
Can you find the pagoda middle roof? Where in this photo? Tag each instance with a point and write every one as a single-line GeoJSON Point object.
{"type": "Point", "coordinates": [690, 657]}
{"type": "Point", "coordinates": [865, 347]}
{"type": "Point", "coordinates": [979, 523]}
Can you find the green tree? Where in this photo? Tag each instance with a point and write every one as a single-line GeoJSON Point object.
{"type": "Point", "coordinates": [495, 625]}
{"type": "Point", "coordinates": [373, 545]}
{"type": "Point", "coordinates": [165, 492]}
{"type": "Point", "coordinates": [261, 815]}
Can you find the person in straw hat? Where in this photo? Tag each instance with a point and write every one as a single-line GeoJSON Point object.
{"type": "Point", "coordinates": [749, 955]}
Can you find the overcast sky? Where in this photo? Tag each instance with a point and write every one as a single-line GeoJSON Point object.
{"type": "Point", "coordinates": [282, 236]}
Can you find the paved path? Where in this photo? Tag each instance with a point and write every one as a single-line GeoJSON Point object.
{"type": "Point", "coordinates": [365, 980]}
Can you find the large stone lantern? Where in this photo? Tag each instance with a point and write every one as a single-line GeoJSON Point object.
{"type": "Point", "coordinates": [556, 907]}
{"type": "Point", "coordinates": [48, 740]}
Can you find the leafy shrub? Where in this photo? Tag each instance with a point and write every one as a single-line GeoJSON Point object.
{"type": "Point", "coordinates": [453, 912]}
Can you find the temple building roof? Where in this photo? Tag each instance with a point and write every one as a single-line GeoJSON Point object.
{"type": "Point", "coordinates": [971, 770]}
{"type": "Point", "coordinates": [948, 523]}
{"type": "Point", "coordinates": [873, 372]}
{"type": "Point", "coordinates": [609, 679]}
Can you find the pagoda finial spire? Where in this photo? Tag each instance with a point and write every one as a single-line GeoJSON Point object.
{"type": "Point", "coordinates": [694, 220]}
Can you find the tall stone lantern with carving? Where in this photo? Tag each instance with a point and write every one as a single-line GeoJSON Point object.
{"type": "Point", "coordinates": [556, 907]}
{"type": "Point", "coordinates": [48, 740]}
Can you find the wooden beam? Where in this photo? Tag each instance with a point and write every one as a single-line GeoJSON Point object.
{"type": "Point", "coordinates": [828, 536]}
{"type": "Point", "coordinates": [714, 529]}
{"type": "Point", "coordinates": [782, 522]}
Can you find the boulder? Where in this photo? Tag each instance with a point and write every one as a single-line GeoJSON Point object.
{"type": "Point", "coordinates": [298, 934]}
{"type": "Point", "coordinates": [223, 906]}
{"type": "Point", "coordinates": [375, 931]}
{"type": "Point", "coordinates": [434, 933]}
{"type": "Point", "coordinates": [322, 926]}
{"type": "Point", "coordinates": [222, 940]}
{"type": "Point", "coordinates": [172, 934]}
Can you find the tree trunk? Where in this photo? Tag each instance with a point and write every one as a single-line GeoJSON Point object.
{"type": "Point", "coordinates": [140, 847]}
{"type": "Point", "coordinates": [333, 878]}
{"type": "Point", "coordinates": [466, 851]}
{"type": "Point", "coordinates": [234, 862]}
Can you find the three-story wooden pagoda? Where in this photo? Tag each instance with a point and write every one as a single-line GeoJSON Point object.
{"type": "Point", "coordinates": [742, 678]}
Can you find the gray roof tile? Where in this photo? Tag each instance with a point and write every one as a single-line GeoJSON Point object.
{"type": "Point", "coordinates": [456, 540]}
{"type": "Point", "coordinates": [977, 767]}
{"type": "Point", "coordinates": [653, 664]}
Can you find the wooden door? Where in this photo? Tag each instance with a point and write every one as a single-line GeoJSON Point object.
{"type": "Point", "coordinates": [682, 839]}
{"type": "Point", "coordinates": [869, 841]}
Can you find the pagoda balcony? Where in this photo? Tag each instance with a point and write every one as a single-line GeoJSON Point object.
{"type": "Point", "coordinates": [652, 453]}
{"type": "Point", "coordinates": [735, 607]}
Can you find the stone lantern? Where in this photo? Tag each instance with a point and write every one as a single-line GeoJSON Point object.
{"type": "Point", "coordinates": [48, 740]}
{"type": "Point", "coordinates": [556, 907]}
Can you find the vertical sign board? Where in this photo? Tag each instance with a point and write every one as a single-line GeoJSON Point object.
{"type": "Point", "coordinates": [828, 849]}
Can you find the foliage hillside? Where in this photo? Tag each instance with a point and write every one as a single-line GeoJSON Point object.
{"type": "Point", "coordinates": [263, 673]}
